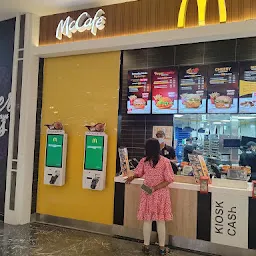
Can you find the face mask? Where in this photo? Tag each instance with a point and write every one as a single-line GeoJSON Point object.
{"type": "Point", "coordinates": [161, 140]}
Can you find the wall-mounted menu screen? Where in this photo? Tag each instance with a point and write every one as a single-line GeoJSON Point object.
{"type": "Point", "coordinates": [192, 89]}
{"type": "Point", "coordinates": [223, 88]}
{"type": "Point", "coordinates": [139, 92]}
{"type": "Point", "coordinates": [247, 101]}
{"type": "Point", "coordinates": [164, 91]}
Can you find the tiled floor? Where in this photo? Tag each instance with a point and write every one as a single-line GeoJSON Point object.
{"type": "Point", "coordinates": [44, 240]}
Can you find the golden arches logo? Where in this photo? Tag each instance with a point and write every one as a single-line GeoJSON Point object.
{"type": "Point", "coordinates": [201, 5]}
{"type": "Point", "coordinates": [94, 140]}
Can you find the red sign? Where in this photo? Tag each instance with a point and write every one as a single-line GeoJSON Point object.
{"type": "Point", "coordinates": [165, 91]}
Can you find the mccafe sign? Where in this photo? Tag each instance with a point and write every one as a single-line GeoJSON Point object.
{"type": "Point", "coordinates": [85, 22]}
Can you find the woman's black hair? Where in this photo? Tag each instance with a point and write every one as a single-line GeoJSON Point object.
{"type": "Point", "coordinates": [152, 151]}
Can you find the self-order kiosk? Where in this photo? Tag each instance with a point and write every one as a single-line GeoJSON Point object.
{"type": "Point", "coordinates": [95, 160]}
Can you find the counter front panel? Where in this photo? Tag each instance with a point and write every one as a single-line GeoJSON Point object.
{"type": "Point", "coordinates": [220, 217]}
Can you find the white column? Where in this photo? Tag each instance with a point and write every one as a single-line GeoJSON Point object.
{"type": "Point", "coordinates": [21, 212]}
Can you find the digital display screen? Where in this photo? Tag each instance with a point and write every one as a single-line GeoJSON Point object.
{"type": "Point", "coordinates": [139, 92]}
{"type": "Point", "coordinates": [245, 140]}
{"type": "Point", "coordinates": [54, 150]}
{"type": "Point", "coordinates": [164, 91]}
{"type": "Point", "coordinates": [247, 91]}
{"type": "Point", "coordinates": [223, 88]}
{"type": "Point", "coordinates": [94, 152]}
{"type": "Point", "coordinates": [231, 143]}
{"type": "Point", "coordinates": [193, 89]}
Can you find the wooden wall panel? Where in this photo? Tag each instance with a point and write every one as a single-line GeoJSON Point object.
{"type": "Point", "coordinates": [131, 205]}
{"type": "Point", "coordinates": [145, 16]}
{"type": "Point", "coordinates": [184, 207]}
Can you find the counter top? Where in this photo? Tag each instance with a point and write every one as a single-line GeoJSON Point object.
{"type": "Point", "coordinates": [195, 187]}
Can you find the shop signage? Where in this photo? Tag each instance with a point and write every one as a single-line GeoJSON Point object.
{"type": "Point", "coordinates": [229, 220]}
{"type": "Point", "coordinates": [84, 22]}
{"type": "Point", "coordinates": [59, 28]}
{"type": "Point", "coordinates": [5, 106]}
{"type": "Point", "coordinates": [201, 5]}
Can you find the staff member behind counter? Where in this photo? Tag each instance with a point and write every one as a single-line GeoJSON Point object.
{"type": "Point", "coordinates": [167, 151]}
{"type": "Point", "coordinates": [248, 158]}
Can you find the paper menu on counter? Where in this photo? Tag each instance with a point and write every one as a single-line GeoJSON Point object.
{"type": "Point", "coordinates": [223, 88]}
{"type": "Point", "coordinates": [124, 161]}
{"type": "Point", "coordinates": [192, 89]}
{"type": "Point", "coordinates": [139, 92]}
{"type": "Point", "coordinates": [165, 91]}
{"type": "Point", "coordinates": [199, 166]}
{"type": "Point", "coordinates": [247, 91]}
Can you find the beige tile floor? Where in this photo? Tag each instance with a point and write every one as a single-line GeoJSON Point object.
{"type": "Point", "coordinates": [45, 240]}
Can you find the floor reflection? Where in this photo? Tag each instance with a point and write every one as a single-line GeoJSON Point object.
{"type": "Point", "coordinates": [46, 240]}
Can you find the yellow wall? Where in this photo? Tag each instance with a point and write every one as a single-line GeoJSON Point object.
{"type": "Point", "coordinates": [79, 90]}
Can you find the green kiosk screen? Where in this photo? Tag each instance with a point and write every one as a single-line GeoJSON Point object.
{"type": "Point", "coordinates": [54, 149]}
{"type": "Point", "coordinates": [94, 152]}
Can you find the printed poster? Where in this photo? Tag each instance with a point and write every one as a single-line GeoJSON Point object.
{"type": "Point", "coordinates": [165, 91]}
{"type": "Point", "coordinates": [192, 90]}
{"type": "Point", "coordinates": [223, 88]}
{"type": "Point", "coordinates": [168, 130]}
{"type": "Point", "coordinates": [139, 92]}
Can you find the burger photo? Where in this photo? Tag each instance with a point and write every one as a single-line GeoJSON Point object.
{"type": "Point", "coordinates": [213, 97]}
{"type": "Point", "coordinates": [132, 98]}
{"type": "Point", "coordinates": [192, 101]}
{"type": "Point", "coordinates": [164, 103]}
{"type": "Point", "coordinates": [139, 103]}
{"type": "Point", "coordinates": [223, 102]}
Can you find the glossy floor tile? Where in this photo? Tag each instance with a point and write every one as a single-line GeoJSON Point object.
{"type": "Point", "coordinates": [46, 240]}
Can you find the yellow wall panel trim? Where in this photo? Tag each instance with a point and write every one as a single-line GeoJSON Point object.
{"type": "Point", "coordinates": [79, 90]}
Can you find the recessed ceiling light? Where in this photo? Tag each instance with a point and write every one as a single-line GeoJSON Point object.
{"type": "Point", "coordinates": [246, 117]}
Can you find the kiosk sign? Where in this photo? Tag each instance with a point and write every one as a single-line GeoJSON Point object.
{"type": "Point", "coordinates": [229, 220]}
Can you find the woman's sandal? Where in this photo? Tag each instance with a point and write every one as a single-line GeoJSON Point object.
{"type": "Point", "coordinates": [163, 252]}
{"type": "Point", "coordinates": [145, 249]}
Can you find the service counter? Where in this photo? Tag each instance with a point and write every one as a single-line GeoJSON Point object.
{"type": "Point", "coordinates": [225, 216]}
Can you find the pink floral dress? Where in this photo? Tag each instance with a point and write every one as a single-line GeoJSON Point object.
{"type": "Point", "coordinates": [155, 207]}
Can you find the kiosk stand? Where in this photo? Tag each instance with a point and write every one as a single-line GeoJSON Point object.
{"type": "Point", "coordinates": [55, 160]}
{"type": "Point", "coordinates": [95, 160]}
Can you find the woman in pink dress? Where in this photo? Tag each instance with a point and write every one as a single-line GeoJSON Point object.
{"type": "Point", "coordinates": [156, 206]}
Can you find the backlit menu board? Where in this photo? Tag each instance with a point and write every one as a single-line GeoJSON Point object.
{"type": "Point", "coordinates": [165, 91]}
{"type": "Point", "coordinates": [192, 89]}
{"type": "Point", "coordinates": [247, 101]}
{"type": "Point", "coordinates": [139, 89]}
{"type": "Point", "coordinates": [223, 88]}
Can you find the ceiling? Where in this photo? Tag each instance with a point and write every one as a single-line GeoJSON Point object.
{"type": "Point", "coordinates": [9, 8]}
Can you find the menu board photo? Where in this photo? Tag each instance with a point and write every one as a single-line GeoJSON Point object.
{"type": "Point", "coordinates": [139, 92]}
{"type": "Point", "coordinates": [247, 100]}
{"type": "Point", "coordinates": [165, 91]}
{"type": "Point", "coordinates": [192, 89]}
{"type": "Point", "coordinates": [223, 88]}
